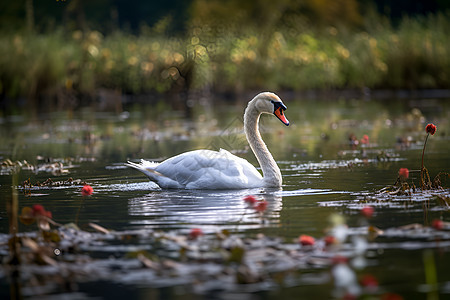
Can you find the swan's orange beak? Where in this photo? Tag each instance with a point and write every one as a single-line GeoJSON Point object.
{"type": "Point", "coordinates": [278, 111]}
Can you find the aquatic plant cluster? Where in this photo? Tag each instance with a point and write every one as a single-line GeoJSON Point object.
{"type": "Point", "coordinates": [394, 195]}
{"type": "Point", "coordinates": [56, 257]}
{"type": "Point", "coordinates": [222, 262]}
{"type": "Point", "coordinates": [401, 185]}
{"type": "Point", "coordinates": [225, 261]}
{"type": "Point", "coordinates": [62, 65]}
{"type": "Point", "coordinates": [343, 256]}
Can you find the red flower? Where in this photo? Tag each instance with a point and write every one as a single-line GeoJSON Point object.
{"type": "Point", "coordinates": [339, 259]}
{"type": "Point", "coordinates": [369, 281]}
{"type": "Point", "coordinates": [330, 240]}
{"type": "Point", "coordinates": [306, 240]}
{"type": "Point", "coordinates": [403, 173]}
{"type": "Point", "coordinates": [87, 190]}
{"type": "Point", "coordinates": [431, 128]}
{"type": "Point", "coordinates": [260, 206]}
{"type": "Point", "coordinates": [195, 233]}
{"type": "Point", "coordinates": [437, 224]}
{"type": "Point", "coordinates": [367, 211]}
{"type": "Point", "coordinates": [391, 296]}
{"type": "Point", "coordinates": [39, 210]}
{"type": "Point", "coordinates": [365, 139]}
{"type": "Point", "coordinates": [250, 199]}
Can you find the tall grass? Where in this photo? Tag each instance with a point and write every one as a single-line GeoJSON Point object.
{"type": "Point", "coordinates": [414, 55]}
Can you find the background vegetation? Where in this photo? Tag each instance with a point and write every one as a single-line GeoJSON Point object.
{"type": "Point", "coordinates": [58, 52]}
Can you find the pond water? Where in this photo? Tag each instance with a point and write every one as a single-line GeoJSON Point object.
{"type": "Point", "coordinates": [326, 176]}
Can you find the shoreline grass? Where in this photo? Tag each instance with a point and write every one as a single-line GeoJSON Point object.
{"type": "Point", "coordinates": [60, 65]}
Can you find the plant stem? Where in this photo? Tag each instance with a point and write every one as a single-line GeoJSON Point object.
{"type": "Point", "coordinates": [13, 207]}
{"type": "Point", "coordinates": [14, 246]}
{"type": "Point", "coordinates": [421, 169]}
{"type": "Point", "coordinates": [430, 274]}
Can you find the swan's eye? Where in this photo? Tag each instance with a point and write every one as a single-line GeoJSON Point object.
{"type": "Point", "coordinates": [277, 104]}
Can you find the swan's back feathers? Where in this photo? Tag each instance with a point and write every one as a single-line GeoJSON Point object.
{"type": "Point", "coordinates": [202, 169]}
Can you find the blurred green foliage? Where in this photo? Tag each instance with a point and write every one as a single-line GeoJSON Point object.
{"type": "Point", "coordinates": [229, 46]}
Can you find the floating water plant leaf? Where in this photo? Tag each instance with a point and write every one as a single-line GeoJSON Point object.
{"type": "Point", "coordinates": [36, 214]}
{"type": "Point", "coordinates": [236, 255]}
{"type": "Point", "coordinates": [43, 224]}
{"type": "Point", "coordinates": [443, 200]}
{"type": "Point", "coordinates": [373, 232]}
{"type": "Point", "coordinates": [148, 263]}
{"type": "Point", "coordinates": [56, 168]}
{"type": "Point", "coordinates": [40, 252]}
{"type": "Point", "coordinates": [99, 228]}
{"type": "Point", "coordinates": [26, 216]}
{"type": "Point", "coordinates": [246, 275]}
{"type": "Point", "coordinates": [27, 185]}
{"type": "Point", "coordinates": [226, 232]}
{"type": "Point", "coordinates": [72, 226]}
{"type": "Point", "coordinates": [51, 236]}
{"type": "Point", "coordinates": [441, 177]}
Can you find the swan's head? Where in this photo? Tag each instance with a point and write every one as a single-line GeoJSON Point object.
{"type": "Point", "coordinates": [271, 104]}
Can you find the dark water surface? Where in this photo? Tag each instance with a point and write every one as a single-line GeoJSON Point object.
{"type": "Point", "coordinates": [324, 175]}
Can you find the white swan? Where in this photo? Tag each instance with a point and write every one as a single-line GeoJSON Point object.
{"type": "Point", "coordinates": [206, 169]}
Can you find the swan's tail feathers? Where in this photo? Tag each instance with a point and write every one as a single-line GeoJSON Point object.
{"type": "Point", "coordinates": [146, 169]}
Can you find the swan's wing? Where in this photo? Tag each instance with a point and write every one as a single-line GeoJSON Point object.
{"type": "Point", "coordinates": [247, 168]}
{"type": "Point", "coordinates": [206, 169]}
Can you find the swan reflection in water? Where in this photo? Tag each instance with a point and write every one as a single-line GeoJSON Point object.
{"type": "Point", "coordinates": [212, 210]}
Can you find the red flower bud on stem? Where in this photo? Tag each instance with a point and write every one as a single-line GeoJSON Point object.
{"type": "Point", "coordinates": [306, 240]}
{"type": "Point", "coordinates": [437, 224]}
{"type": "Point", "coordinates": [430, 129]}
{"type": "Point", "coordinates": [195, 233]}
{"type": "Point", "coordinates": [87, 190]}
{"type": "Point", "coordinates": [403, 173]}
{"type": "Point", "coordinates": [39, 210]}
{"type": "Point", "coordinates": [367, 211]}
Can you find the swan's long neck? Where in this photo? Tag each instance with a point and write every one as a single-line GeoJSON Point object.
{"type": "Point", "coordinates": [271, 172]}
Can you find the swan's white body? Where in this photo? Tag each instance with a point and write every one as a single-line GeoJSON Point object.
{"type": "Point", "coordinates": [207, 169]}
